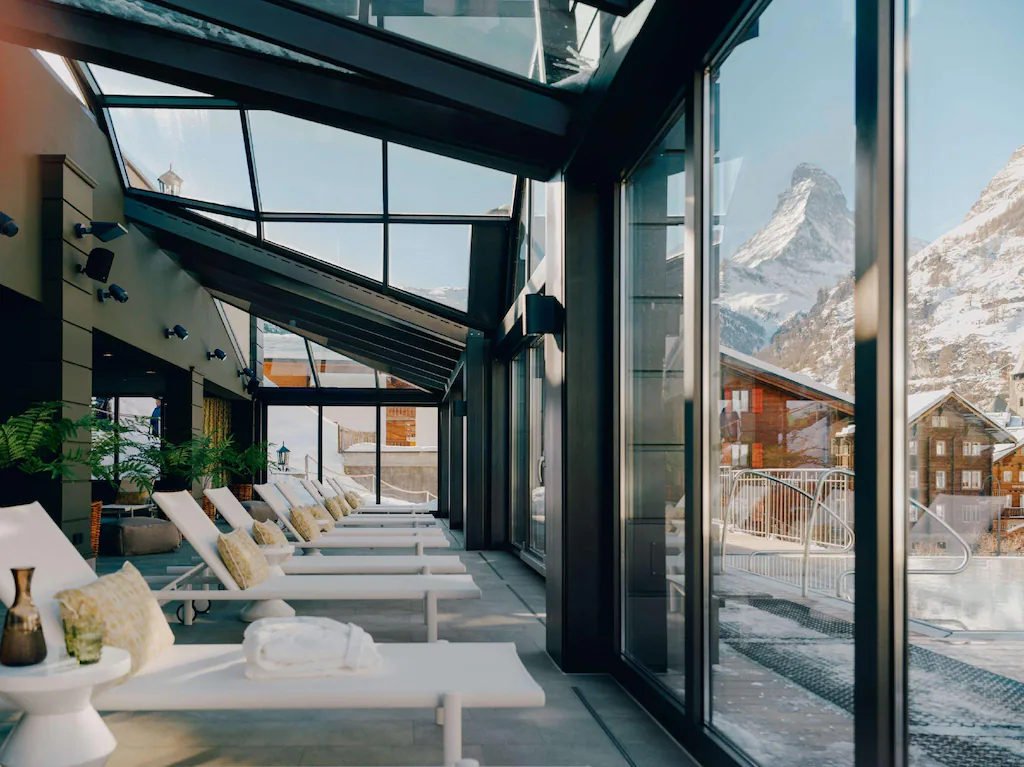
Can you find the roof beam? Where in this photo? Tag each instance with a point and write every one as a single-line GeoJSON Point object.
{"type": "Point", "coordinates": [351, 102]}
{"type": "Point", "coordinates": [381, 54]}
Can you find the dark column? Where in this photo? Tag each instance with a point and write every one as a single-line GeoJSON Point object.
{"type": "Point", "coordinates": [456, 466]}
{"type": "Point", "coordinates": [579, 442]}
{"type": "Point", "coordinates": [444, 439]}
{"type": "Point", "coordinates": [477, 424]}
{"type": "Point", "coordinates": [183, 407]}
{"type": "Point", "coordinates": [500, 456]}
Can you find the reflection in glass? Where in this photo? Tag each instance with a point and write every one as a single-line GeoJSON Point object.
{"type": "Point", "coordinates": [293, 427]}
{"type": "Point", "coordinates": [113, 82]}
{"type": "Point", "coordinates": [334, 369]}
{"type": "Point", "coordinates": [538, 223]}
{"type": "Point", "coordinates": [241, 224]}
{"type": "Point", "coordinates": [965, 213]}
{"type": "Point", "coordinates": [285, 360]}
{"type": "Point", "coordinates": [59, 66]}
{"type": "Point", "coordinates": [408, 459]}
{"type": "Point", "coordinates": [783, 104]}
{"type": "Point", "coordinates": [528, 509]}
{"type": "Point", "coordinates": [536, 541]}
{"type": "Point", "coordinates": [305, 167]}
{"type": "Point", "coordinates": [358, 248]}
{"type": "Point", "coordinates": [237, 323]}
{"type": "Point", "coordinates": [203, 148]}
{"type": "Point", "coordinates": [432, 261]}
{"type": "Point", "coordinates": [420, 182]}
{"type": "Point", "coordinates": [653, 424]}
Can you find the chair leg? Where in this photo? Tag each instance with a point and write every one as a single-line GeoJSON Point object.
{"type": "Point", "coordinates": [419, 548]}
{"type": "Point", "coordinates": [431, 616]}
{"type": "Point", "coordinates": [452, 729]}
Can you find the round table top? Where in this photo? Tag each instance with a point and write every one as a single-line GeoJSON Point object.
{"type": "Point", "coordinates": [66, 673]}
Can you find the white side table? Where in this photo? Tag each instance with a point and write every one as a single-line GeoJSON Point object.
{"type": "Point", "coordinates": [60, 728]}
{"type": "Point", "coordinates": [271, 608]}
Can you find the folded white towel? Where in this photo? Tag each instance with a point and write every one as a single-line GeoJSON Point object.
{"type": "Point", "coordinates": [278, 648]}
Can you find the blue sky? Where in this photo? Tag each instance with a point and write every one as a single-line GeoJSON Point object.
{"type": "Point", "coordinates": [787, 97]}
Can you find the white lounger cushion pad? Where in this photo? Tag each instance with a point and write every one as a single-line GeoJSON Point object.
{"type": "Point", "coordinates": [380, 564]}
{"type": "Point", "coordinates": [376, 542]}
{"type": "Point", "coordinates": [425, 521]}
{"type": "Point", "coordinates": [300, 587]}
{"type": "Point", "coordinates": [204, 677]}
{"type": "Point", "coordinates": [374, 529]}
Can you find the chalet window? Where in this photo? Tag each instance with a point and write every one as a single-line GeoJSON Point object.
{"type": "Point", "coordinates": [976, 448]}
{"type": "Point", "coordinates": [940, 510]}
{"type": "Point", "coordinates": [967, 448]}
{"type": "Point", "coordinates": [940, 480]}
{"type": "Point", "coordinates": [1020, 476]}
{"type": "Point", "coordinates": [757, 453]}
{"type": "Point", "coordinates": [1007, 476]}
{"type": "Point", "coordinates": [940, 421]}
{"type": "Point", "coordinates": [940, 447]}
{"type": "Point", "coordinates": [970, 480]}
{"type": "Point", "coordinates": [913, 514]}
{"type": "Point", "coordinates": [971, 513]}
{"type": "Point", "coordinates": [738, 455]}
{"type": "Point", "coordinates": [913, 480]}
{"type": "Point", "coordinates": [913, 447]}
{"type": "Point", "coordinates": [740, 400]}
{"type": "Point", "coordinates": [757, 401]}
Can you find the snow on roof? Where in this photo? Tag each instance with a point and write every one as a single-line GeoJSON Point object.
{"type": "Point", "coordinates": [798, 378]}
{"type": "Point", "coordinates": [1003, 449]}
{"type": "Point", "coordinates": [920, 403]}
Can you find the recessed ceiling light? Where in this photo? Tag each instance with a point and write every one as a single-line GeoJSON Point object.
{"type": "Point", "coordinates": [151, 372]}
{"type": "Point", "coordinates": [107, 354]}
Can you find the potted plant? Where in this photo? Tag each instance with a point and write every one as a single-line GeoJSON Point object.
{"type": "Point", "coordinates": [248, 464]}
{"type": "Point", "coordinates": [33, 441]}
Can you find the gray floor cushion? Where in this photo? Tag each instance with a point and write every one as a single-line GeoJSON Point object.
{"type": "Point", "coordinates": [260, 510]}
{"type": "Point", "coordinates": [138, 535]}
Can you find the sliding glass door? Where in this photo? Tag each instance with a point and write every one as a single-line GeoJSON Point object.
{"type": "Point", "coordinates": [528, 475]}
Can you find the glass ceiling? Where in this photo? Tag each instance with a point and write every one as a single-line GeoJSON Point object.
{"type": "Point", "coordinates": [388, 213]}
{"type": "Point", "coordinates": [289, 360]}
{"type": "Point", "coordinates": [557, 42]}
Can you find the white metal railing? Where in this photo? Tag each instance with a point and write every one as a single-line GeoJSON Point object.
{"type": "Point", "coordinates": [777, 503]}
{"type": "Point", "coordinates": [386, 488]}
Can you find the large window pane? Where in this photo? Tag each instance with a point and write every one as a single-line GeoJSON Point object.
{"type": "Point", "coordinates": [334, 369]}
{"type": "Point", "coordinates": [350, 448]}
{"type": "Point", "coordinates": [201, 148]}
{"type": "Point", "coordinates": [305, 167]}
{"type": "Point", "coordinates": [116, 83]}
{"type": "Point", "coordinates": [293, 427]}
{"type": "Point", "coordinates": [653, 424]}
{"type": "Point", "coordinates": [285, 360]}
{"type": "Point", "coordinates": [356, 247]}
{"type": "Point", "coordinates": [965, 208]}
{"type": "Point", "coordinates": [408, 458]}
{"type": "Point", "coordinates": [783, 108]}
{"type": "Point", "coordinates": [421, 182]}
{"type": "Point", "coordinates": [431, 260]}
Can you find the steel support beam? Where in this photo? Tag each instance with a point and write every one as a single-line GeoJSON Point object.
{"type": "Point", "coordinates": [262, 81]}
{"type": "Point", "coordinates": [477, 373]}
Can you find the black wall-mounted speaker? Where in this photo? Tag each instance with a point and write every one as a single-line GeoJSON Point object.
{"type": "Point", "coordinates": [98, 265]}
{"type": "Point", "coordinates": [543, 315]}
{"type": "Point", "coordinates": [459, 408]}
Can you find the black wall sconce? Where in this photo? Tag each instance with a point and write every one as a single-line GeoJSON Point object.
{"type": "Point", "coordinates": [460, 408]}
{"type": "Point", "coordinates": [8, 228]}
{"type": "Point", "coordinates": [97, 265]}
{"type": "Point", "coordinates": [247, 372]}
{"type": "Point", "coordinates": [218, 354]}
{"type": "Point", "coordinates": [542, 315]}
{"type": "Point", "coordinates": [116, 292]}
{"type": "Point", "coordinates": [104, 231]}
{"type": "Point", "coordinates": [178, 331]}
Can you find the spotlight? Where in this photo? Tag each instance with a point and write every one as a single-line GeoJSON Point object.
{"type": "Point", "coordinates": [116, 292]}
{"type": "Point", "coordinates": [178, 331]}
{"type": "Point", "coordinates": [247, 372]}
{"type": "Point", "coordinates": [7, 226]}
{"type": "Point", "coordinates": [218, 353]}
{"type": "Point", "coordinates": [97, 266]}
{"type": "Point", "coordinates": [252, 386]}
{"type": "Point", "coordinates": [104, 231]}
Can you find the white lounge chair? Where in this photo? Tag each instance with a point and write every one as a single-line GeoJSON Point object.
{"type": "Point", "coordinates": [182, 509]}
{"type": "Point", "coordinates": [236, 516]}
{"type": "Point", "coordinates": [383, 508]}
{"type": "Point", "coordinates": [293, 495]}
{"type": "Point", "coordinates": [354, 538]}
{"type": "Point", "coordinates": [442, 676]}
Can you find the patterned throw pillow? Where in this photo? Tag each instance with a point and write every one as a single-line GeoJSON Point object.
{"type": "Point", "coordinates": [130, 614]}
{"type": "Point", "coordinates": [346, 507]}
{"type": "Point", "coordinates": [336, 509]}
{"type": "Point", "coordinates": [322, 515]}
{"type": "Point", "coordinates": [268, 534]}
{"type": "Point", "coordinates": [243, 558]}
{"type": "Point", "coordinates": [304, 523]}
{"type": "Point", "coordinates": [353, 500]}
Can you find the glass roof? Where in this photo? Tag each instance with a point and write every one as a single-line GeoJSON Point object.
{"type": "Point", "coordinates": [557, 43]}
{"type": "Point", "coordinates": [385, 212]}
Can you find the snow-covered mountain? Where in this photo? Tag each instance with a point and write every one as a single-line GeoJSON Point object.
{"type": "Point", "coordinates": [806, 247]}
{"type": "Point", "coordinates": [455, 297]}
{"type": "Point", "coordinates": [966, 304]}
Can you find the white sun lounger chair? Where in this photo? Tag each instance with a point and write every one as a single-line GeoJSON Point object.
{"type": "Point", "coordinates": [316, 490]}
{"type": "Point", "coordinates": [235, 514]}
{"type": "Point", "coordinates": [384, 508]}
{"type": "Point", "coordinates": [353, 538]}
{"type": "Point", "coordinates": [293, 494]}
{"type": "Point", "coordinates": [442, 676]}
{"type": "Point", "coordinates": [182, 509]}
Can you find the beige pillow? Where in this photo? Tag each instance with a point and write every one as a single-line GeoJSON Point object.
{"type": "Point", "coordinates": [304, 523]}
{"type": "Point", "coordinates": [268, 534]}
{"type": "Point", "coordinates": [322, 515]}
{"type": "Point", "coordinates": [353, 500]}
{"type": "Point", "coordinates": [131, 616]}
{"type": "Point", "coordinates": [335, 509]}
{"type": "Point", "coordinates": [346, 507]}
{"type": "Point", "coordinates": [243, 558]}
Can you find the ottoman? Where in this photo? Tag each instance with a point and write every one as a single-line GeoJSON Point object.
{"type": "Point", "coordinates": [138, 535]}
{"type": "Point", "coordinates": [260, 510]}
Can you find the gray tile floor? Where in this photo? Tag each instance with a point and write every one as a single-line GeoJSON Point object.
{"type": "Point", "coordinates": [564, 732]}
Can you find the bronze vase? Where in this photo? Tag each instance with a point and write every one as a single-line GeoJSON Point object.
{"type": "Point", "coordinates": [22, 643]}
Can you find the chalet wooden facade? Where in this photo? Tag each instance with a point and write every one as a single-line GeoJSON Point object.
{"type": "Point", "coordinates": [771, 418]}
{"type": "Point", "coordinates": [1009, 471]}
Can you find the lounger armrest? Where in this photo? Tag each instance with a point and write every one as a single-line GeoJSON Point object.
{"type": "Point", "coordinates": [277, 555]}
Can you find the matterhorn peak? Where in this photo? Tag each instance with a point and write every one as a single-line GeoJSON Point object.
{"type": "Point", "coordinates": [1005, 186]}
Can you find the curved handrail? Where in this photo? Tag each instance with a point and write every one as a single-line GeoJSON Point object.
{"type": "Point", "coordinates": [383, 483]}
{"type": "Point", "coordinates": [926, 571]}
{"type": "Point", "coordinates": [806, 525]}
{"type": "Point", "coordinates": [805, 573]}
